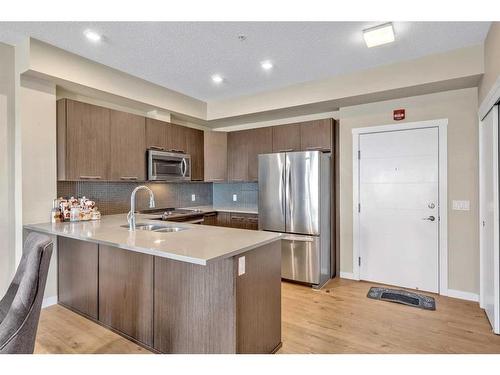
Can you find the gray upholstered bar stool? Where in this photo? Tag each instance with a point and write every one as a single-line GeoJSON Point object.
{"type": "Point", "coordinates": [20, 307]}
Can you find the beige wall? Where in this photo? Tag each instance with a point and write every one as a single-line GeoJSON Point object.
{"type": "Point", "coordinates": [460, 108]}
{"type": "Point", "coordinates": [39, 169]}
{"type": "Point", "coordinates": [7, 124]}
{"type": "Point", "coordinates": [491, 60]}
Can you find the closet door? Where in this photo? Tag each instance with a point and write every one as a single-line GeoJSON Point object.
{"type": "Point", "coordinates": [489, 225]}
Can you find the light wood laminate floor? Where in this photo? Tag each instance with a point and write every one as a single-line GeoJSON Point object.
{"type": "Point", "coordinates": [337, 319]}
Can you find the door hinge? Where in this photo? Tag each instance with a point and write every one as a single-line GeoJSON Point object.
{"type": "Point", "coordinates": [359, 154]}
{"type": "Point", "coordinates": [359, 261]}
{"type": "Point", "coordinates": [359, 207]}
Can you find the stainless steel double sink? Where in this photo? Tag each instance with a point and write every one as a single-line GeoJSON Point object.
{"type": "Point", "coordinates": [157, 228]}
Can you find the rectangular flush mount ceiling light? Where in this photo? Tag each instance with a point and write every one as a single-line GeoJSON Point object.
{"type": "Point", "coordinates": [378, 35]}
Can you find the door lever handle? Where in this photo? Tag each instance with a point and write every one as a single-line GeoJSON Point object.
{"type": "Point", "coordinates": [430, 218]}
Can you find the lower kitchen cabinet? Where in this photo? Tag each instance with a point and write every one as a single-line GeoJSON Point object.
{"type": "Point", "coordinates": [126, 292]}
{"type": "Point", "coordinates": [210, 219]}
{"type": "Point", "coordinates": [77, 275]}
{"type": "Point", "coordinates": [244, 221]}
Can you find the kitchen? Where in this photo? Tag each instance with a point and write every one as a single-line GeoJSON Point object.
{"type": "Point", "coordinates": [241, 224]}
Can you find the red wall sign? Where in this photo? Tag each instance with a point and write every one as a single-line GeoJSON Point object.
{"type": "Point", "coordinates": [399, 114]}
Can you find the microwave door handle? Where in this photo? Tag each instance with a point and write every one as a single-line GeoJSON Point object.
{"type": "Point", "coordinates": [183, 167]}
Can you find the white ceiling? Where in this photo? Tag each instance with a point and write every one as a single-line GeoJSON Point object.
{"type": "Point", "coordinates": [183, 55]}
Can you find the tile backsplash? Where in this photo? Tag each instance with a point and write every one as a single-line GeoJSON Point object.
{"type": "Point", "coordinates": [114, 197]}
{"type": "Point", "coordinates": [247, 195]}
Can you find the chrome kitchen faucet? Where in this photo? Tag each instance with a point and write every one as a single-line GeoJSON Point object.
{"type": "Point", "coordinates": [131, 214]}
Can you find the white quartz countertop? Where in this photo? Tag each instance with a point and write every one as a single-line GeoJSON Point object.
{"type": "Point", "coordinates": [240, 210]}
{"type": "Point", "coordinates": [198, 244]}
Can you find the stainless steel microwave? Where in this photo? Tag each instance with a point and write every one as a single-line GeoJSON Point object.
{"type": "Point", "coordinates": [168, 166]}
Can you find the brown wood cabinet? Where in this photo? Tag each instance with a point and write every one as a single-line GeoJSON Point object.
{"type": "Point", "coordinates": [210, 219]}
{"type": "Point", "coordinates": [237, 156]}
{"type": "Point", "coordinates": [194, 147]}
{"type": "Point", "coordinates": [126, 292]}
{"type": "Point", "coordinates": [316, 135]}
{"type": "Point", "coordinates": [260, 141]}
{"type": "Point", "coordinates": [243, 149]}
{"type": "Point", "coordinates": [223, 219]}
{"type": "Point", "coordinates": [215, 159]}
{"type": "Point", "coordinates": [83, 138]}
{"type": "Point", "coordinates": [77, 281]}
{"type": "Point", "coordinates": [244, 221]}
{"type": "Point", "coordinates": [128, 146]}
{"type": "Point", "coordinates": [96, 143]}
{"type": "Point", "coordinates": [286, 138]}
{"type": "Point", "coordinates": [157, 133]}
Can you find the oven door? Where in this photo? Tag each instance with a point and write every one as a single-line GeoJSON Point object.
{"type": "Point", "coordinates": [168, 166]}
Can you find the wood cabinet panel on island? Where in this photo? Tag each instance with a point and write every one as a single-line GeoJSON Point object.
{"type": "Point", "coordinates": [77, 280]}
{"type": "Point", "coordinates": [126, 292]}
{"type": "Point", "coordinates": [173, 306]}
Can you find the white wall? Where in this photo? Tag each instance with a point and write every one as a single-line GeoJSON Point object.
{"type": "Point", "coordinates": [7, 124]}
{"type": "Point", "coordinates": [460, 108]}
{"type": "Point", "coordinates": [37, 113]}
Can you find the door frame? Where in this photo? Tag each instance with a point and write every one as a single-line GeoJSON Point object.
{"type": "Point", "coordinates": [496, 218]}
{"type": "Point", "coordinates": [442, 125]}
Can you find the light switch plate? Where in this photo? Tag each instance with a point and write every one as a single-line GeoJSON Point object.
{"type": "Point", "coordinates": [235, 198]}
{"type": "Point", "coordinates": [193, 197]}
{"type": "Point", "coordinates": [461, 205]}
{"type": "Point", "coordinates": [241, 266]}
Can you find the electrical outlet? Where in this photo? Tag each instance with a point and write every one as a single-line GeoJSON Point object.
{"type": "Point", "coordinates": [241, 266]}
{"type": "Point", "coordinates": [235, 198]}
{"type": "Point", "coordinates": [193, 197]}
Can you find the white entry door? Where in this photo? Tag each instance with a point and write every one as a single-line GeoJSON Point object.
{"type": "Point", "coordinates": [399, 208]}
{"type": "Point", "coordinates": [488, 181]}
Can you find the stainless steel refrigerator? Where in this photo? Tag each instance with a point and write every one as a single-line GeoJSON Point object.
{"type": "Point", "coordinates": [294, 199]}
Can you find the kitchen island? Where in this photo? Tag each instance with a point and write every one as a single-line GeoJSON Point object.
{"type": "Point", "coordinates": [173, 287]}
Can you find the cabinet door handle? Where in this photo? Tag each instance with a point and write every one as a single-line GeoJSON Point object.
{"type": "Point", "coordinates": [179, 151]}
{"type": "Point", "coordinates": [286, 150]}
{"type": "Point", "coordinates": [129, 178]}
{"type": "Point", "coordinates": [216, 179]}
{"type": "Point", "coordinates": [314, 148]}
{"type": "Point", "coordinates": [236, 179]}
{"type": "Point", "coordinates": [90, 177]}
{"type": "Point", "coordinates": [157, 148]}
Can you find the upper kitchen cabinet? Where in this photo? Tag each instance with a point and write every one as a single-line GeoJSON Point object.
{"type": "Point", "coordinates": [177, 139]}
{"type": "Point", "coordinates": [194, 147]}
{"type": "Point", "coordinates": [316, 135]}
{"type": "Point", "coordinates": [237, 156]}
{"type": "Point", "coordinates": [260, 141]}
{"type": "Point", "coordinates": [128, 146]}
{"type": "Point", "coordinates": [157, 134]}
{"type": "Point", "coordinates": [215, 160]}
{"type": "Point", "coordinates": [83, 138]}
{"type": "Point", "coordinates": [286, 138]}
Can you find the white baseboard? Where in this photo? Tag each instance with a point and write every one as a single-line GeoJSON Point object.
{"type": "Point", "coordinates": [49, 301]}
{"type": "Point", "coordinates": [468, 296]}
{"type": "Point", "coordinates": [347, 275]}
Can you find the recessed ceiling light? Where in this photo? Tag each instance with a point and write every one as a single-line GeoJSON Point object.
{"type": "Point", "coordinates": [217, 78]}
{"type": "Point", "coordinates": [266, 65]}
{"type": "Point", "coordinates": [378, 35]}
{"type": "Point", "coordinates": [92, 35]}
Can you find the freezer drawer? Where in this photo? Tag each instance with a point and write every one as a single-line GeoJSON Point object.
{"type": "Point", "coordinates": [300, 258]}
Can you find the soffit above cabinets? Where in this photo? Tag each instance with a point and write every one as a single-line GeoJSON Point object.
{"type": "Point", "coordinates": [182, 56]}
